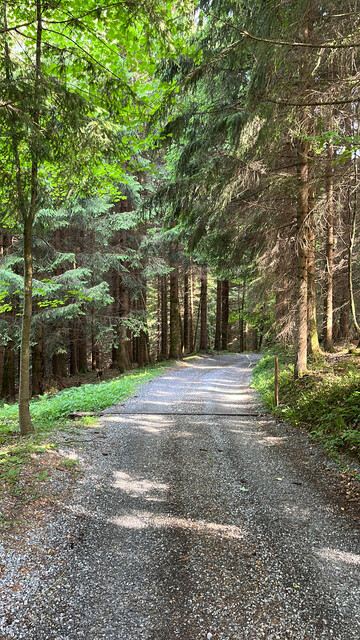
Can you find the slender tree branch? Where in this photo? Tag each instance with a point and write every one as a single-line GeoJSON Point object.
{"type": "Point", "coordinates": [285, 103]}
{"type": "Point", "coordinates": [284, 43]}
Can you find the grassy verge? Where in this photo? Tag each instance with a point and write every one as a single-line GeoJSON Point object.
{"type": "Point", "coordinates": [326, 401]}
{"type": "Point", "coordinates": [50, 414]}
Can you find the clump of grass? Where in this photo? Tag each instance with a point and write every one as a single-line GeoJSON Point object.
{"type": "Point", "coordinates": [70, 463]}
{"type": "Point", "coordinates": [48, 410]}
{"type": "Point", "coordinates": [326, 401]}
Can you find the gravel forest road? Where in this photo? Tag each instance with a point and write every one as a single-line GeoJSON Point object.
{"type": "Point", "coordinates": [200, 517]}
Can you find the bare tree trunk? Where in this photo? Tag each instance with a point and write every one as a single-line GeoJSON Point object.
{"type": "Point", "coordinates": [175, 337]}
{"type": "Point", "coordinates": [302, 257]}
{"type": "Point", "coordinates": [164, 317]}
{"type": "Point", "coordinates": [241, 318]}
{"type": "Point", "coordinates": [8, 381]}
{"type": "Point", "coordinates": [25, 423]}
{"type": "Point", "coordinates": [314, 347]}
{"type": "Point", "coordinates": [225, 314]}
{"type": "Point", "coordinates": [38, 361]}
{"type": "Point", "coordinates": [2, 356]}
{"type": "Point", "coordinates": [94, 346]}
{"type": "Point", "coordinates": [217, 342]}
{"type": "Point", "coordinates": [191, 312]}
{"type": "Point", "coordinates": [82, 345]}
{"type": "Point", "coordinates": [186, 312]}
{"type": "Point", "coordinates": [143, 355]}
{"type": "Point", "coordinates": [203, 306]}
{"type": "Point", "coordinates": [351, 250]}
{"type": "Point", "coordinates": [345, 292]}
{"type": "Point", "coordinates": [328, 302]}
{"type": "Point", "coordinates": [123, 353]}
{"type": "Point", "coordinates": [73, 343]}
{"type": "Point", "coordinates": [114, 278]}
{"type": "Point", "coordinates": [158, 318]}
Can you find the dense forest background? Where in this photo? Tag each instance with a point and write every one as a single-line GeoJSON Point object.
{"type": "Point", "coordinates": [192, 184]}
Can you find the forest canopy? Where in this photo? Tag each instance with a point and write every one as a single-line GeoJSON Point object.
{"type": "Point", "coordinates": [174, 177]}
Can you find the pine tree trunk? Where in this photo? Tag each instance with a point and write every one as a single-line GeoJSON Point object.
{"type": "Point", "coordinates": [302, 259]}
{"type": "Point", "coordinates": [241, 319]}
{"type": "Point", "coordinates": [143, 356]}
{"type": "Point", "coordinates": [2, 350]}
{"type": "Point", "coordinates": [186, 313]}
{"type": "Point", "coordinates": [344, 322]}
{"type": "Point", "coordinates": [329, 252]}
{"type": "Point", "coordinates": [73, 343]}
{"type": "Point", "coordinates": [26, 425]}
{"type": "Point", "coordinates": [38, 361]}
{"type": "Point", "coordinates": [129, 334]}
{"type": "Point", "coordinates": [203, 307]}
{"type": "Point", "coordinates": [350, 253]}
{"type": "Point", "coordinates": [314, 347]}
{"type": "Point", "coordinates": [255, 340]}
{"type": "Point", "coordinates": [175, 337]}
{"type": "Point", "coordinates": [345, 292]}
{"type": "Point", "coordinates": [225, 314]}
{"type": "Point", "coordinates": [8, 381]}
{"type": "Point", "coordinates": [164, 317]}
{"type": "Point", "coordinates": [114, 280]}
{"type": "Point", "coordinates": [123, 359]}
{"type": "Point", "coordinates": [158, 318]}
{"type": "Point", "coordinates": [94, 346]}
{"type": "Point", "coordinates": [82, 345]}
{"type": "Point", "coordinates": [217, 342]}
{"type": "Point", "coordinates": [191, 312]}
{"type": "Point", "coordinates": [2, 356]}
{"type": "Point", "coordinates": [59, 366]}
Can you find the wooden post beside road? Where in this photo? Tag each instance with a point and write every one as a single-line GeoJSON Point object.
{"type": "Point", "coordinates": [276, 381]}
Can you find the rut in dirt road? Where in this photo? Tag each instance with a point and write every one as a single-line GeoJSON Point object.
{"type": "Point", "coordinates": [204, 519]}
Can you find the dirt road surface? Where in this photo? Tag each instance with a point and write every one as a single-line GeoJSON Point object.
{"type": "Point", "coordinates": [198, 517]}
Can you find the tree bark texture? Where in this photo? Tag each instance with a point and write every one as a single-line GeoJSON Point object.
{"type": "Point", "coordinates": [82, 344]}
{"type": "Point", "coordinates": [38, 361]}
{"type": "Point", "coordinates": [26, 425]}
{"type": "Point", "coordinates": [191, 312]}
{"type": "Point", "coordinates": [203, 307]}
{"type": "Point", "coordinates": [73, 343]}
{"type": "Point", "coordinates": [186, 312]}
{"type": "Point", "coordinates": [8, 380]}
{"type": "Point", "coordinates": [302, 259]}
{"type": "Point", "coordinates": [175, 336]}
{"type": "Point", "coordinates": [329, 253]}
{"type": "Point", "coordinates": [314, 346]}
{"type": "Point", "coordinates": [224, 314]}
{"type": "Point", "coordinates": [164, 317]}
{"type": "Point", "coordinates": [217, 342]}
{"type": "Point", "coordinates": [241, 318]}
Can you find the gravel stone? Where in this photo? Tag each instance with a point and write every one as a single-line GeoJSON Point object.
{"type": "Point", "coordinates": [215, 523]}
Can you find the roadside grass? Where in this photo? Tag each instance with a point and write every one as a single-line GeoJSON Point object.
{"type": "Point", "coordinates": [326, 401]}
{"type": "Point", "coordinates": [50, 414]}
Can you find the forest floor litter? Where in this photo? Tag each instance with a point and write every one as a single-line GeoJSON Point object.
{"type": "Point", "coordinates": [188, 513]}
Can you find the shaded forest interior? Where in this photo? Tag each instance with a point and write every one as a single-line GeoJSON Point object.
{"type": "Point", "coordinates": [115, 318]}
{"type": "Point", "coordinates": [205, 197]}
